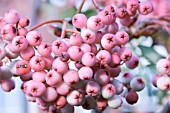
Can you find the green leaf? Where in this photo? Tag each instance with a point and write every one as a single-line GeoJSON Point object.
{"type": "Point", "coordinates": [90, 13]}
{"type": "Point", "coordinates": [68, 13]}
{"type": "Point", "coordinates": [150, 54]}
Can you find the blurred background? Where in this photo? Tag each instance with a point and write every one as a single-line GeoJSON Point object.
{"type": "Point", "coordinates": [148, 48]}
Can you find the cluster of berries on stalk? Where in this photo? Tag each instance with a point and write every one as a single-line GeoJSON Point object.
{"type": "Point", "coordinates": [77, 71]}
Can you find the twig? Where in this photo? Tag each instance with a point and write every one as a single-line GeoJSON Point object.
{"type": "Point", "coordinates": [72, 31]}
{"type": "Point", "coordinates": [96, 7]}
{"type": "Point", "coordinates": [46, 22]}
{"type": "Point", "coordinates": [81, 6]}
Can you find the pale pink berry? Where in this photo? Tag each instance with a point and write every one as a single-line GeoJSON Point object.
{"type": "Point", "coordinates": [109, 8]}
{"type": "Point", "coordinates": [71, 77]}
{"type": "Point", "coordinates": [63, 88]}
{"type": "Point", "coordinates": [125, 54]}
{"type": "Point", "coordinates": [126, 21]}
{"type": "Point", "coordinates": [48, 62]}
{"type": "Point", "coordinates": [37, 63]}
{"type": "Point", "coordinates": [45, 49]}
{"type": "Point", "coordinates": [85, 73]}
{"type": "Point", "coordinates": [74, 98]}
{"type": "Point", "coordinates": [26, 87]}
{"type": "Point", "coordinates": [122, 38]}
{"type": "Point", "coordinates": [132, 5]}
{"type": "Point", "coordinates": [118, 85]}
{"type": "Point", "coordinates": [99, 35]}
{"type": "Point", "coordinates": [145, 8]}
{"type": "Point", "coordinates": [2, 22]}
{"type": "Point", "coordinates": [28, 53]}
{"type": "Point", "coordinates": [114, 72]}
{"type": "Point", "coordinates": [115, 60]}
{"type": "Point", "coordinates": [115, 102]}
{"type": "Point", "coordinates": [7, 85]}
{"type": "Point", "coordinates": [163, 66]}
{"type": "Point", "coordinates": [37, 89]}
{"type": "Point", "coordinates": [64, 56]}
{"type": "Point", "coordinates": [75, 53]}
{"type": "Point", "coordinates": [50, 94]}
{"type": "Point", "coordinates": [2, 53]}
{"type": "Point", "coordinates": [102, 77]}
{"type": "Point", "coordinates": [59, 66]}
{"type": "Point", "coordinates": [19, 43]}
{"type": "Point", "coordinates": [22, 32]}
{"type": "Point", "coordinates": [137, 84]}
{"type": "Point", "coordinates": [113, 28]}
{"type": "Point", "coordinates": [89, 59]}
{"type": "Point", "coordinates": [132, 97]}
{"type": "Point", "coordinates": [39, 76]}
{"type": "Point", "coordinates": [12, 16]}
{"type": "Point", "coordinates": [86, 47]}
{"type": "Point", "coordinates": [163, 83]}
{"type": "Point", "coordinates": [132, 63]}
{"type": "Point", "coordinates": [79, 20]}
{"type": "Point", "coordinates": [108, 41]}
{"type": "Point", "coordinates": [121, 13]}
{"type": "Point", "coordinates": [59, 46]}
{"type": "Point", "coordinates": [24, 22]}
{"type": "Point", "coordinates": [126, 78]}
{"type": "Point", "coordinates": [53, 78]}
{"type": "Point", "coordinates": [92, 88]}
{"type": "Point", "coordinates": [26, 77]}
{"type": "Point", "coordinates": [11, 47]}
{"type": "Point", "coordinates": [103, 57]}
{"type": "Point", "coordinates": [94, 23]}
{"type": "Point", "coordinates": [78, 64]}
{"type": "Point", "coordinates": [10, 54]}
{"type": "Point", "coordinates": [60, 102]}
{"type": "Point", "coordinates": [94, 48]}
{"type": "Point", "coordinates": [131, 13]}
{"type": "Point", "coordinates": [88, 36]}
{"type": "Point", "coordinates": [105, 16]}
{"type": "Point", "coordinates": [8, 32]}
{"type": "Point", "coordinates": [34, 38]}
{"type": "Point", "coordinates": [108, 91]}
{"type": "Point", "coordinates": [155, 78]}
{"type": "Point", "coordinates": [67, 41]}
{"type": "Point", "coordinates": [76, 39]}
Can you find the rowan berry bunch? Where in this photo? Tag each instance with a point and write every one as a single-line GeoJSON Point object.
{"type": "Point", "coordinates": [96, 49]}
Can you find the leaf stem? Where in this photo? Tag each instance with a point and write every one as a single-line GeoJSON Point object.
{"type": "Point", "coordinates": [81, 6]}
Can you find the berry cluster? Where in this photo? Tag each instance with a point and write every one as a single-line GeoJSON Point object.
{"type": "Point", "coordinates": [79, 71]}
{"type": "Point", "coordinates": [162, 79]}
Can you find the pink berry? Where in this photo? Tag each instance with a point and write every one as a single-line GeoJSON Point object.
{"type": "Point", "coordinates": [59, 66]}
{"type": "Point", "coordinates": [126, 78]}
{"type": "Point", "coordinates": [101, 104]}
{"type": "Point", "coordinates": [10, 54]}
{"type": "Point", "coordinates": [45, 49]}
{"type": "Point", "coordinates": [2, 53]}
{"type": "Point", "coordinates": [23, 67]}
{"type": "Point", "coordinates": [39, 76]}
{"type": "Point", "coordinates": [86, 47]}
{"type": "Point", "coordinates": [79, 20]}
{"type": "Point", "coordinates": [102, 77]}
{"type": "Point", "coordinates": [99, 35]}
{"type": "Point", "coordinates": [11, 47]}
{"type": "Point", "coordinates": [71, 77]}
{"type": "Point", "coordinates": [12, 16]}
{"type": "Point", "coordinates": [28, 53]}
{"type": "Point", "coordinates": [50, 94]}
{"type": "Point", "coordinates": [78, 64]}
{"type": "Point", "coordinates": [37, 63]}
{"type": "Point", "coordinates": [53, 78]}
{"type": "Point", "coordinates": [64, 56]}
{"type": "Point", "coordinates": [163, 66]}
{"type": "Point", "coordinates": [19, 43]}
{"type": "Point", "coordinates": [88, 36]}
{"type": "Point", "coordinates": [108, 91]}
{"type": "Point", "coordinates": [132, 63]}
{"type": "Point", "coordinates": [5, 73]}
{"type": "Point", "coordinates": [92, 88]}
{"type": "Point", "coordinates": [94, 23]}
{"type": "Point", "coordinates": [115, 102]}
{"type": "Point", "coordinates": [59, 46]}
{"type": "Point", "coordinates": [114, 72]}
{"type": "Point", "coordinates": [48, 62]}
{"type": "Point", "coordinates": [105, 16]}
{"type": "Point", "coordinates": [34, 38]}
{"type": "Point", "coordinates": [103, 57]}
{"type": "Point", "coordinates": [7, 85]}
{"type": "Point", "coordinates": [163, 83]}
{"type": "Point", "coordinates": [60, 102]}
{"type": "Point", "coordinates": [8, 32]}
{"type": "Point", "coordinates": [125, 54]}
{"type": "Point", "coordinates": [26, 77]}
{"type": "Point", "coordinates": [85, 73]}
{"type": "Point", "coordinates": [118, 85]}
{"type": "Point", "coordinates": [132, 97]}
{"type": "Point", "coordinates": [113, 28]}
{"type": "Point", "coordinates": [115, 60]}
{"type": "Point", "coordinates": [2, 22]}
{"type": "Point", "coordinates": [76, 39]}
{"type": "Point", "coordinates": [24, 22]}
{"type": "Point", "coordinates": [22, 32]}
{"type": "Point", "coordinates": [121, 13]}
{"type": "Point", "coordinates": [75, 53]}
{"type": "Point", "coordinates": [122, 38]}
{"type": "Point", "coordinates": [155, 78]}
{"type": "Point", "coordinates": [63, 88]}
{"type": "Point", "coordinates": [109, 8]}
{"type": "Point", "coordinates": [108, 41]}
{"type": "Point", "coordinates": [145, 8]}
{"type": "Point", "coordinates": [132, 5]}
{"type": "Point", "coordinates": [74, 98]}
{"type": "Point", "coordinates": [89, 59]}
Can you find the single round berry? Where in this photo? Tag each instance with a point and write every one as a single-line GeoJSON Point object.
{"type": "Point", "coordinates": [24, 22]}
{"type": "Point", "coordinates": [163, 66]}
{"type": "Point", "coordinates": [85, 73]}
{"type": "Point", "coordinates": [44, 49]}
{"type": "Point", "coordinates": [108, 91]}
{"type": "Point", "coordinates": [88, 36]}
{"type": "Point", "coordinates": [118, 85]}
{"type": "Point", "coordinates": [89, 59]}
{"type": "Point", "coordinates": [20, 43]}
{"type": "Point", "coordinates": [75, 53]}
{"type": "Point", "coordinates": [137, 84]}
{"type": "Point", "coordinates": [50, 94]}
{"type": "Point", "coordinates": [132, 97]}
{"type": "Point", "coordinates": [92, 88]}
{"type": "Point", "coordinates": [145, 8]}
{"type": "Point", "coordinates": [79, 20]}
{"type": "Point", "coordinates": [163, 83]}
{"type": "Point", "coordinates": [37, 63]}
{"type": "Point", "coordinates": [94, 23]}
{"type": "Point", "coordinates": [108, 41]}
{"type": "Point", "coordinates": [76, 39]}
{"type": "Point", "coordinates": [115, 102]}
{"type": "Point", "coordinates": [34, 38]}
{"type": "Point", "coordinates": [59, 46]}
{"type": "Point", "coordinates": [12, 16]}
